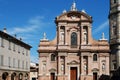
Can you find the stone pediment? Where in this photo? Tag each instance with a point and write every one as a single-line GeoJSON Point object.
{"type": "Point", "coordinates": [74, 16]}
{"type": "Point", "coordinates": [52, 70]}
{"type": "Point", "coordinates": [75, 28]}
{"type": "Point", "coordinates": [73, 62]}
{"type": "Point", "coordinates": [95, 69]}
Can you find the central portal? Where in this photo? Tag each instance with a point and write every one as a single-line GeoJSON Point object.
{"type": "Point", "coordinates": [73, 73]}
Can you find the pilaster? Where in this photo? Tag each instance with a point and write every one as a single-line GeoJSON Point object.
{"type": "Point", "coordinates": [66, 66]}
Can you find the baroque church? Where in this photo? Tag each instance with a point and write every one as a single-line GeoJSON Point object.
{"type": "Point", "coordinates": [73, 54]}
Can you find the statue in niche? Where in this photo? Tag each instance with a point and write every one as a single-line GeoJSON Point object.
{"type": "Point", "coordinates": [85, 67]}
{"type": "Point", "coordinates": [62, 37]}
{"type": "Point", "coordinates": [44, 67]}
{"type": "Point", "coordinates": [103, 66]}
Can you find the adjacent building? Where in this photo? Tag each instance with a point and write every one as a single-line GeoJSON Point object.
{"type": "Point", "coordinates": [114, 22]}
{"type": "Point", "coordinates": [14, 58]}
{"type": "Point", "coordinates": [73, 54]}
{"type": "Point", "coordinates": [33, 71]}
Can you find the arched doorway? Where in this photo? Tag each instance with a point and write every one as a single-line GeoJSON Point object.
{"type": "Point", "coordinates": [26, 76]}
{"type": "Point", "coordinates": [20, 76]}
{"type": "Point", "coordinates": [4, 76]}
{"type": "Point", "coordinates": [13, 76]}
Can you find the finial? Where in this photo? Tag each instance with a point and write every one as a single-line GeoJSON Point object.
{"type": "Point", "coordinates": [5, 30]}
{"type": "Point", "coordinates": [103, 37]}
{"type": "Point", "coordinates": [44, 37]}
{"type": "Point", "coordinates": [73, 7]}
{"type": "Point", "coordinates": [15, 35]}
{"type": "Point", "coordinates": [20, 39]}
{"type": "Point", "coordinates": [64, 11]}
{"type": "Point", "coordinates": [83, 11]}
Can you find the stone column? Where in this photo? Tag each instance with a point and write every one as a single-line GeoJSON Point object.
{"type": "Point", "coordinates": [58, 34]}
{"type": "Point", "coordinates": [81, 68]}
{"type": "Point", "coordinates": [16, 77]}
{"type": "Point", "coordinates": [59, 66]}
{"type": "Point", "coordinates": [89, 64]}
{"type": "Point", "coordinates": [89, 34]}
{"type": "Point", "coordinates": [9, 77]}
{"type": "Point", "coordinates": [66, 74]}
{"type": "Point", "coordinates": [81, 34]}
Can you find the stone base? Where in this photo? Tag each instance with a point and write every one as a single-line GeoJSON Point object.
{"type": "Point", "coordinates": [43, 78]}
{"type": "Point", "coordinates": [62, 78]}
{"type": "Point", "coordinates": [86, 77]}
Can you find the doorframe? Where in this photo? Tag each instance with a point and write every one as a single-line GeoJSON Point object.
{"type": "Point", "coordinates": [78, 71]}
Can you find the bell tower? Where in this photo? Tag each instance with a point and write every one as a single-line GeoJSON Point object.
{"type": "Point", "coordinates": [114, 22]}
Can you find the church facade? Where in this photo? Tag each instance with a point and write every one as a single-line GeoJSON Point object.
{"type": "Point", "coordinates": [73, 54]}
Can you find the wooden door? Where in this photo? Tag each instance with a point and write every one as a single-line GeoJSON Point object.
{"type": "Point", "coordinates": [73, 73]}
{"type": "Point", "coordinates": [94, 76]}
{"type": "Point", "coordinates": [52, 76]}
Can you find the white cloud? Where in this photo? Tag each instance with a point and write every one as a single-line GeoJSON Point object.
{"type": "Point", "coordinates": [101, 27]}
{"type": "Point", "coordinates": [32, 25]}
{"type": "Point", "coordinates": [34, 58]}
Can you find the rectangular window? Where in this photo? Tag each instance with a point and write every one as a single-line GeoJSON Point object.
{"type": "Point", "coordinates": [9, 60]}
{"type": "Point", "coordinates": [23, 50]}
{"type": "Point", "coordinates": [9, 45]}
{"type": "Point", "coordinates": [13, 46]}
{"type": "Point", "coordinates": [18, 63]}
{"type": "Point", "coordinates": [26, 52]}
{"type": "Point", "coordinates": [2, 42]}
{"type": "Point", "coordinates": [14, 62]}
{"type": "Point", "coordinates": [23, 64]}
{"type": "Point", "coordinates": [18, 49]}
{"type": "Point", "coordinates": [1, 60]}
{"type": "Point", "coordinates": [26, 65]}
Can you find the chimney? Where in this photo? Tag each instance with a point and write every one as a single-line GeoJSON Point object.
{"type": "Point", "coordinates": [20, 39]}
{"type": "Point", "coordinates": [5, 30]}
{"type": "Point", "coordinates": [15, 35]}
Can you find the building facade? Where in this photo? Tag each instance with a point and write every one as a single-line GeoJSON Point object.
{"type": "Point", "coordinates": [114, 20]}
{"type": "Point", "coordinates": [33, 71]}
{"type": "Point", "coordinates": [73, 54]}
{"type": "Point", "coordinates": [14, 58]}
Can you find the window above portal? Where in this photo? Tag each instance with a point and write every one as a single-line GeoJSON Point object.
{"type": "Point", "coordinates": [74, 39]}
{"type": "Point", "coordinates": [94, 57]}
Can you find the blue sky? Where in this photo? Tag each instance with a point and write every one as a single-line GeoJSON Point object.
{"type": "Point", "coordinates": [29, 19]}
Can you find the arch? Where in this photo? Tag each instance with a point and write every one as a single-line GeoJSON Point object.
{"type": "Point", "coordinates": [74, 39]}
{"type": "Point", "coordinates": [52, 57]}
{"type": "Point", "coordinates": [95, 57]}
{"type": "Point", "coordinates": [13, 76]}
{"type": "Point", "coordinates": [20, 76]}
{"type": "Point", "coordinates": [4, 76]}
{"type": "Point", "coordinates": [26, 76]}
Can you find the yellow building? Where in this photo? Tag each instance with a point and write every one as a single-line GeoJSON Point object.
{"type": "Point", "coordinates": [14, 58]}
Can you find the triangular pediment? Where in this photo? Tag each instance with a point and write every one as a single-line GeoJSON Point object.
{"type": "Point", "coordinates": [74, 16]}
{"type": "Point", "coordinates": [73, 62]}
{"type": "Point", "coordinates": [95, 69]}
{"type": "Point", "coordinates": [52, 70]}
